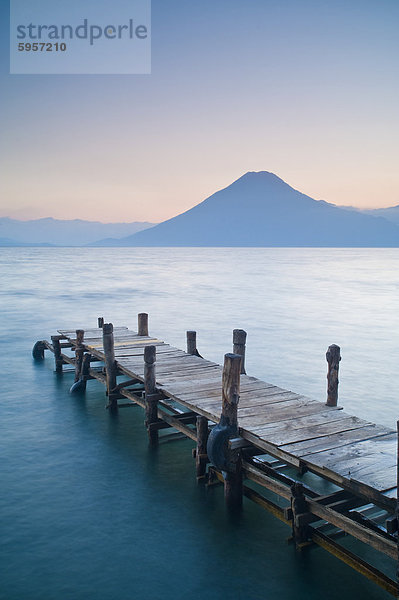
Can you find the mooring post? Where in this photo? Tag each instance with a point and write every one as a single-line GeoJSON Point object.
{"type": "Point", "coordinates": [191, 342]}
{"type": "Point", "coordinates": [333, 356]}
{"type": "Point", "coordinates": [151, 397]}
{"type": "Point", "coordinates": [239, 340]}
{"type": "Point", "coordinates": [55, 339]}
{"type": "Point", "coordinates": [201, 457]}
{"type": "Point", "coordinates": [100, 321]}
{"type": "Point", "coordinates": [79, 351]}
{"type": "Point", "coordinates": [110, 363]}
{"type": "Point", "coordinates": [230, 398]}
{"type": "Point", "coordinates": [142, 319]}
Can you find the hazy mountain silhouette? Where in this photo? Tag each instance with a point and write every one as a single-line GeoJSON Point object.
{"type": "Point", "coordinates": [59, 232]}
{"type": "Point", "coordinates": [260, 209]}
{"type": "Point", "coordinates": [390, 214]}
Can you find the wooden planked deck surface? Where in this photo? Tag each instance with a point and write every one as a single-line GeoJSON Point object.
{"type": "Point", "coordinates": [349, 451]}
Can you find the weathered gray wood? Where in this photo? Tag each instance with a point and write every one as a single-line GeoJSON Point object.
{"type": "Point", "coordinates": [299, 509]}
{"type": "Point", "coordinates": [201, 457]}
{"type": "Point", "coordinates": [239, 340]}
{"type": "Point", "coordinates": [333, 356]}
{"type": "Point", "coordinates": [57, 353]}
{"type": "Point", "coordinates": [151, 398]}
{"type": "Point", "coordinates": [86, 366]}
{"type": "Point", "coordinates": [191, 342]}
{"type": "Point", "coordinates": [79, 352]}
{"type": "Point", "coordinates": [110, 363]}
{"type": "Point", "coordinates": [282, 423]}
{"type": "Point", "coordinates": [231, 388]}
{"type": "Point", "coordinates": [142, 320]}
{"type": "Point", "coordinates": [230, 398]}
{"type": "Point", "coordinates": [336, 440]}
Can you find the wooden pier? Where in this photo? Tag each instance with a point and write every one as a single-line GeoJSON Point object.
{"type": "Point", "coordinates": [256, 438]}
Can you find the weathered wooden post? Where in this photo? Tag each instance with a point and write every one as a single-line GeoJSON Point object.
{"type": "Point", "coordinates": [191, 342]}
{"type": "Point", "coordinates": [142, 328]}
{"type": "Point", "coordinates": [220, 455]}
{"type": "Point", "coordinates": [100, 322]}
{"type": "Point", "coordinates": [110, 363]}
{"type": "Point", "coordinates": [333, 357]}
{"type": "Point", "coordinates": [230, 398]}
{"type": "Point", "coordinates": [151, 397]}
{"type": "Point", "coordinates": [201, 457]}
{"type": "Point", "coordinates": [239, 340]}
{"type": "Point", "coordinates": [299, 515]}
{"type": "Point", "coordinates": [79, 351]}
{"type": "Point", "coordinates": [57, 353]}
{"type": "Point", "coordinates": [80, 384]}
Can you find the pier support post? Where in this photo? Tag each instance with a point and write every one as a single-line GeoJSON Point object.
{"type": "Point", "coordinates": [142, 328]}
{"type": "Point", "coordinates": [230, 398]}
{"type": "Point", "coordinates": [80, 384]}
{"type": "Point", "coordinates": [299, 515]}
{"type": "Point", "coordinates": [239, 340]}
{"type": "Point", "coordinates": [110, 363]}
{"type": "Point", "coordinates": [79, 351]}
{"type": "Point", "coordinates": [333, 356]}
{"type": "Point", "coordinates": [55, 339]}
{"type": "Point", "coordinates": [201, 457]}
{"type": "Point", "coordinates": [151, 397]}
{"type": "Point", "coordinates": [100, 322]}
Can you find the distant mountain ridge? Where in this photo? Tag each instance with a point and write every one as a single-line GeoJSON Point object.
{"type": "Point", "coordinates": [57, 232]}
{"type": "Point", "coordinates": [260, 209]}
{"type": "Point", "coordinates": [391, 213]}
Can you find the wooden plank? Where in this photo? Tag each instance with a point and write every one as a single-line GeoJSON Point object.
{"type": "Point", "coordinates": [336, 440]}
{"type": "Point", "coordinates": [287, 432]}
{"type": "Point", "coordinates": [289, 404]}
{"type": "Point", "coordinates": [346, 459]}
{"type": "Point", "coordinates": [291, 413]}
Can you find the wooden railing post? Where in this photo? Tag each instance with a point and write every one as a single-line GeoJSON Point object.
{"type": "Point", "coordinates": [333, 356]}
{"type": "Point", "coordinates": [151, 397]}
{"type": "Point", "coordinates": [110, 363]}
{"type": "Point", "coordinates": [100, 322]}
{"type": "Point", "coordinates": [79, 351]}
{"type": "Point", "coordinates": [191, 342]}
{"type": "Point", "coordinates": [142, 328]}
{"type": "Point", "coordinates": [201, 457]}
{"type": "Point", "coordinates": [230, 398]}
{"type": "Point", "coordinates": [239, 340]}
{"type": "Point", "coordinates": [55, 339]}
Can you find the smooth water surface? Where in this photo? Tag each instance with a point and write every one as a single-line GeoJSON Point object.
{"type": "Point", "coordinates": [88, 511]}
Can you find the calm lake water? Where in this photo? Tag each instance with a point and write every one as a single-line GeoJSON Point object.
{"type": "Point", "coordinates": [88, 511]}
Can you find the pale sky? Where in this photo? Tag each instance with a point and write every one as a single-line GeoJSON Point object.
{"type": "Point", "coordinates": [305, 89]}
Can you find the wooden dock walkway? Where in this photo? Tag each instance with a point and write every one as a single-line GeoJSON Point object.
{"type": "Point", "coordinates": [257, 431]}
